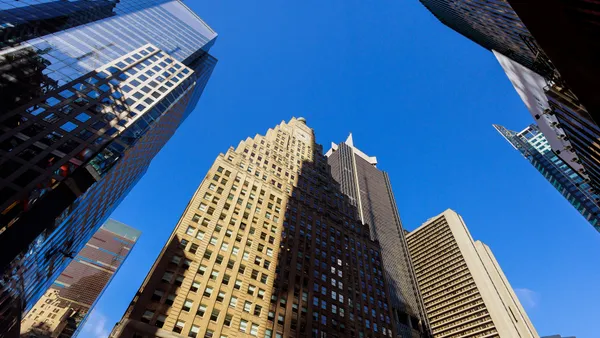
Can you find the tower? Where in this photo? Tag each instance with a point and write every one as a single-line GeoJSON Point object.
{"type": "Point", "coordinates": [64, 307]}
{"type": "Point", "coordinates": [568, 181]}
{"type": "Point", "coordinates": [268, 246]}
{"type": "Point", "coordinates": [91, 91]}
{"type": "Point", "coordinates": [464, 289]}
{"type": "Point", "coordinates": [370, 192]}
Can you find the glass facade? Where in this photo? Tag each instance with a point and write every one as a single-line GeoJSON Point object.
{"type": "Point", "coordinates": [90, 91]}
{"type": "Point", "coordinates": [577, 190]}
{"type": "Point", "coordinates": [579, 128]}
{"type": "Point", "coordinates": [492, 24]}
{"type": "Point", "coordinates": [64, 307]}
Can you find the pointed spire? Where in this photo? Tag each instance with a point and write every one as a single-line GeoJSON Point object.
{"type": "Point", "coordinates": [349, 141]}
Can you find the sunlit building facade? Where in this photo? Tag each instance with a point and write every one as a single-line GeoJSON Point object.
{"type": "Point", "coordinates": [576, 188]}
{"type": "Point", "coordinates": [370, 192]}
{"type": "Point", "coordinates": [465, 292]}
{"type": "Point", "coordinates": [90, 92]}
{"type": "Point", "coordinates": [268, 246]}
{"type": "Point", "coordinates": [64, 308]}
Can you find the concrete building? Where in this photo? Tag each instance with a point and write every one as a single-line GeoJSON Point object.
{"type": "Point", "coordinates": [90, 91]}
{"type": "Point", "coordinates": [464, 290]}
{"type": "Point", "coordinates": [370, 191]}
{"type": "Point", "coordinates": [65, 306]}
{"type": "Point", "coordinates": [268, 246]}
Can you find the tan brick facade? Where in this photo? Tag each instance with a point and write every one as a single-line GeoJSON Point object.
{"type": "Point", "coordinates": [267, 247]}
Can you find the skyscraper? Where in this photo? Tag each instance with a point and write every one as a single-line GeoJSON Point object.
{"type": "Point", "coordinates": [90, 92]}
{"type": "Point", "coordinates": [64, 307]}
{"type": "Point", "coordinates": [370, 192]}
{"type": "Point", "coordinates": [532, 144]}
{"type": "Point", "coordinates": [494, 25]}
{"type": "Point", "coordinates": [491, 24]}
{"type": "Point", "coordinates": [567, 32]}
{"type": "Point", "coordinates": [465, 292]}
{"type": "Point", "coordinates": [268, 246]}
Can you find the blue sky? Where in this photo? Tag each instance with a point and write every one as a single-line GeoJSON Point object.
{"type": "Point", "coordinates": [415, 94]}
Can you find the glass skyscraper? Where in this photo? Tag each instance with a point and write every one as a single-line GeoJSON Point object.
{"type": "Point", "coordinates": [492, 24]}
{"type": "Point", "coordinates": [575, 188]}
{"type": "Point", "coordinates": [90, 91]}
{"type": "Point", "coordinates": [64, 307]}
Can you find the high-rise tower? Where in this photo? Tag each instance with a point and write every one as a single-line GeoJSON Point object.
{"type": "Point", "coordinates": [370, 191]}
{"type": "Point", "coordinates": [63, 309]}
{"type": "Point", "coordinates": [268, 246]}
{"type": "Point", "coordinates": [567, 29]}
{"type": "Point", "coordinates": [90, 91]}
{"type": "Point", "coordinates": [465, 292]}
{"type": "Point", "coordinates": [532, 144]}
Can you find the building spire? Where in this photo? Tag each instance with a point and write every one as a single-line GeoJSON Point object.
{"type": "Point", "coordinates": [350, 141]}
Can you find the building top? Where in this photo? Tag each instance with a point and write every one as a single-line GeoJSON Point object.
{"type": "Point", "coordinates": [350, 142]}
{"type": "Point", "coordinates": [122, 230]}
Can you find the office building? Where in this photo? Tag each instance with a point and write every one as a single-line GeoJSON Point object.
{"type": "Point", "coordinates": [464, 290]}
{"type": "Point", "coordinates": [567, 32]}
{"type": "Point", "coordinates": [370, 192]}
{"type": "Point", "coordinates": [492, 24]}
{"type": "Point", "coordinates": [91, 91]}
{"type": "Point", "coordinates": [565, 123]}
{"type": "Point", "coordinates": [568, 69]}
{"type": "Point", "coordinates": [532, 144]}
{"type": "Point", "coordinates": [268, 246]}
{"type": "Point", "coordinates": [63, 309]}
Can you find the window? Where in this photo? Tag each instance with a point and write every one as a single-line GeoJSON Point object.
{"type": "Point", "coordinates": [170, 299]}
{"type": "Point", "coordinates": [202, 270]}
{"type": "Point", "coordinates": [160, 321]}
{"type": "Point", "coordinates": [179, 280]}
{"type": "Point", "coordinates": [214, 316]}
{"type": "Point", "coordinates": [247, 306]}
{"type": "Point", "coordinates": [254, 329]}
{"type": "Point", "coordinates": [200, 235]}
{"type": "Point", "coordinates": [147, 316]}
{"type": "Point", "coordinates": [261, 293]}
{"type": "Point", "coordinates": [167, 277]}
{"type": "Point", "coordinates": [214, 275]}
{"type": "Point", "coordinates": [194, 331]}
{"type": "Point", "coordinates": [224, 246]}
{"type": "Point", "coordinates": [175, 260]}
{"type": "Point", "coordinates": [157, 295]}
{"type": "Point", "coordinates": [257, 310]}
{"type": "Point", "coordinates": [269, 252]}
{"type": "Point", "coordinates": [201, 310]}
{"type": "Point", "coordinates": [251, 289]}
{"type": "Point", "coordinates": [187, 305]}
{"type": "Point", "coordinates": [186, 264]}
{"type": "Point", "coordinates": [238, 284]}
{"type": "Point", "coordinates": [195, 286]}
{"type": "Point", "coordinates": [193, 248]}
{"type": "Point", "coordinates": [203, 207]}
{"type": "Point", "coordinates": [190, 231]}
{"type": "Point", "coordinates": [213, 240]}
{"type": "Point", "coordinates": [228, 319]}
{"type": "Point", "coordinates": [208, 291]}
{"type": "Point", "coordinates": [179, 326]}
{"type": "Point", "coordinates": [243, 325]}
{"type": "Point", "coordinates": [233, 302]}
